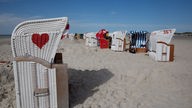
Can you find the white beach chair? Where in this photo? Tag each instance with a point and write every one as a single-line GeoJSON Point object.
{"type": "Point", "coordinates": [39, 83]}
{"type": "Point", "coordinates": [160, 48]}
{"type": "Point", "coordinates": [118, 41]}
{"type": "Point", "coordinates": [90, 39]}
{"type": "Point", "coordinates": [71, 36]}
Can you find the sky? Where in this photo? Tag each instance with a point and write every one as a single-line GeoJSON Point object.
{"type": "Point", "coordinates": [93, 15]}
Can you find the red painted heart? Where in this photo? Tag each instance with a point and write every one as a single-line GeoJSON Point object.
{"type": "Point", "coordinates": [40, 40]}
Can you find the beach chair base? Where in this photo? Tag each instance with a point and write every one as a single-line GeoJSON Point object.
{"type": "Point", "coordinates": [104, 43]}
{"type": "Point", "coordinates": [141, 50]}
{"type": "Point", "coordinates": [164, 52]}
{"type": "Point", "coordinates": [43, 97]}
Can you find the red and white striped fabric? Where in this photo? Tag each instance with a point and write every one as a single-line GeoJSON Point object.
{"type": "Point", "coordinates": [66, 31]}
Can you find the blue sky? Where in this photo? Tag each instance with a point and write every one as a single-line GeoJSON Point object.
{"type": "Point", "coordinates": [93, 15]}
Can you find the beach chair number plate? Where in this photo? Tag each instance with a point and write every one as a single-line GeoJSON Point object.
{"type": "Point", "coordinates": [40, 40]}
{"type": "Point", "coordinates": [167, 31]}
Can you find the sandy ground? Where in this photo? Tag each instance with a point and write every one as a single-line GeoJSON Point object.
{"type": "Point", "coordinates": [7, 86]}
{"type": "Point", "coordinates": [101, 78]}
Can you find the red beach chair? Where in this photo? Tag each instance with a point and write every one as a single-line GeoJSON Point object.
{"type": "Point", "coordinates": [103, 42]}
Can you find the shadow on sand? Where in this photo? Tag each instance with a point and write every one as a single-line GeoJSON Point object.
{"type": "Point", "coordinates": [83, 84]}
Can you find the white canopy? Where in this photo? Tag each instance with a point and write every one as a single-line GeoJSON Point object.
{"type": "Point", "coordinates": [160, 35]}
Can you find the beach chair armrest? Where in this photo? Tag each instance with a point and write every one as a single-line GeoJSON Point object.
{"type": "Point", "coordinates": [120, 39]}
{"type": "Point", "coordinates": [161, 42]}
{"type": "Point", "coordinates": [94, 38]}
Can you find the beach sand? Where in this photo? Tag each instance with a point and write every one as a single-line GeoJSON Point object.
{"type": "Point", "coordinates": [101, 78]}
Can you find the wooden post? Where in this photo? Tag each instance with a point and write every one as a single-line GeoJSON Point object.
{"type": "Point", "coordinates": [61, 82]}
{"type": "Point", "coordinates": [171, 53]}
{"type": "Point", "coordinates": [62, 85]}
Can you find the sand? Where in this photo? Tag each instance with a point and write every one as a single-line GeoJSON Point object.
{"type": "Point", "coordinates": [101, 78]}
{"type": "Point", "coordinates": [7, 87]}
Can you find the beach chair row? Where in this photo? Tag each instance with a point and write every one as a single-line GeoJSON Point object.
{"type": "Point", "coordinates": [157, 43]}
{"type": "Point", "coordinates": [117, 41]}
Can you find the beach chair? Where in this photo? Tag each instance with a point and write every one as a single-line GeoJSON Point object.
{"type": "Point", "coordinates": [71, 36]}
{"type": "Point", "coordinates": [138, 41]}
{"type": "Point", "coordinates": [160, 48]}
{"type": "Point", "coordinates": [118, 41]}
{"type": "Point", "coordinates": [39, 82]}
{"type": "Point", "coordinates": [104, 41]}
{"type": "Point", "coordinates": [90, 39]}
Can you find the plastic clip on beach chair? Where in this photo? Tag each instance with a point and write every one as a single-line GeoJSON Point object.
{"type": "Point", "coordinates": [39, 82]}
{"type": "Point", "coordinates": [118, 41]}
{"type": "Point", "coordinates": [160, 48]}
{"type": "Point", "coordinates": [90, 39]}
